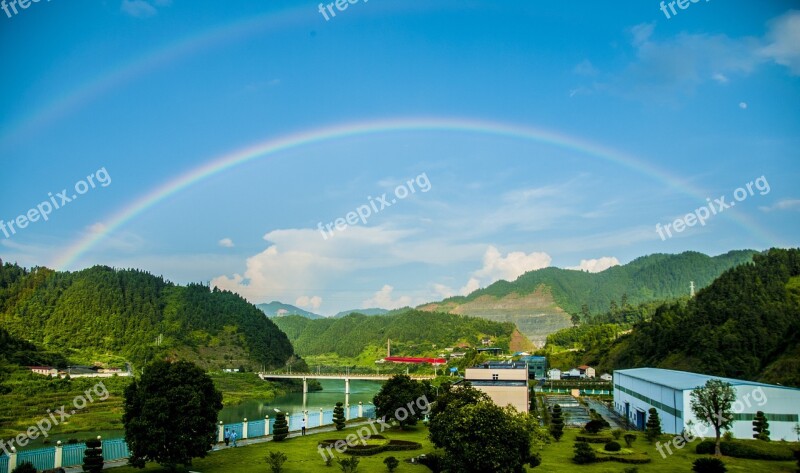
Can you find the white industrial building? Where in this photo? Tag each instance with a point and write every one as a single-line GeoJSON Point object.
{"type": "Point", "coordinates": [637, 390]}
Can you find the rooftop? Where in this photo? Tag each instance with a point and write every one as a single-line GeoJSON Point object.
{"type": "Point", "coordinates": [683, 380]}
{"type": "Point", "coordinates": [500, 365]}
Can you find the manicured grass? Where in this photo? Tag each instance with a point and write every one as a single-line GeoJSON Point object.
{"type": "Point", "coordinates": [303, 456]}
{"type": "Point", "coordinates": [557, 456]}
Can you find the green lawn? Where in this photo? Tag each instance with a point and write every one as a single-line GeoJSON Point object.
{"type": "Point", "coordinates": [303, 457]}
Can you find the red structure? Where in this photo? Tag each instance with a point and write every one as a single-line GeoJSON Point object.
{"type": "Point", "coordinates": [410, 359]}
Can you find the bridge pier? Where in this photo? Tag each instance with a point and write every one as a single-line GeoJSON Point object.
{"type": "Point", "coordinates": [305, 393]}
{"type": "Point", "coordinates": [347, 396]}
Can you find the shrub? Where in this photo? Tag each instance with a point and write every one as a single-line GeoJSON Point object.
{"type": "Point", "coordinates": [93, 456]}
{"type": "Point", "coordinates": [584, 453]}
{"type": "Point", "coordinates": [629, 439]}
{"type": "Point", "coordinates": [535, 460]}
{"type": "Point", "coordinates": [761, 427]}
{"type": "Point", "coordinates": [338, 416]}
{"type": "Point", "coordinates": [612, 447]}
{"type": "Point", "coordinates": [348, 465]}
{"type": "Point", "coordinates": [434, 462]}
{"type": "Point", "coordinates": [594, 426]}
{"type": "Point", "coordinates": [557, 423]}
{"type": "Point", "coordinates": [593, 438]}
{"type": "Point", "coordinates": [391, 463]}
{"type": "Point", "coordinates": [281, 430]}
{"type": "Point", "coordinates": [708, 465]}
{"type": "Point", "coordinates": [275, 460]}
{"type": "Point", "coordinates": [631, 469]}
{"type": "Point", "coordinates": [616, 433]}
{"type": "Point", "coordinates": [749, 449]}
{"type": "Point", "coordinates": [653, 430]}
{"type": "Point", "coordinates": [727, 436]}
{"type": "Point", "coordinates": [24, 467]}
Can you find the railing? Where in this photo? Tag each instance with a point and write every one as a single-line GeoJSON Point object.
{"type": "Point", "coordinates": [71, 455]}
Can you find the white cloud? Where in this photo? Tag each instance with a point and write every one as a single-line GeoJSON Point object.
{"type": "Point", "coordinates": [585, 68]}
{"type": "Point", "coordinates": [597, 265]}
{"type": "Point", "coordinates": [721, 78]}
{"type": "Point", "coordinates": [226, 243]}
{"type": "Point", "coordinates": [511, 266]}
{"type": "Point", "coordinates": [496, 267]}
{"type": "Point", "coordinates": [743, 105]}
{"type": "Point", "coordinates": [642, 32]}
{"type": "Point", "coordinates": [384, 300]}
{"type": "Point", "coordinates": [786, 204]}
{"type": "Point", "coordinates": [783, 41]}
{"type": "Point", "coordinates": [312, 302]}
{"type": "Point", "coordinates": [143, 8]}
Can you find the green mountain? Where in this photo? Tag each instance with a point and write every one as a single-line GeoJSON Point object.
{"type": "Point", "coordinates": [371, 311]}
{"type": "Point", "coordinates": [541, 302]}
{"type": "Point", "coordinates": [136, 315]}
{"type": "Point", "coordinates": [412, 332]}
{"type": "Point", "coordinates": [746, 324]}
{"type": "Point", "coordinates": [279, 309]}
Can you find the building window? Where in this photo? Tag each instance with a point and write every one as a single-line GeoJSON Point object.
{"type": "Point", "coordinates": [495, 377]}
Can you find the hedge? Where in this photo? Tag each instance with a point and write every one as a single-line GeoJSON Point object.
{"type": "Point", "coordinates": [749, 449]}
{"type": "Point", "coordinates": [593, 438]}
{"type": "Point", "coordinates": [367, 450]}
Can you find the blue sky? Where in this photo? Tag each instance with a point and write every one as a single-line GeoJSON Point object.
{"type": "Point", "coordinates": [544, 135]}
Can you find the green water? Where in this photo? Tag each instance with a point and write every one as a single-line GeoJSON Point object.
{"type": "Point", "coordinates": [332, 392]}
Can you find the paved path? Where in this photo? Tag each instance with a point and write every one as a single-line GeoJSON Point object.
{"type": "Point", "coordinates": [614, 419]}
{"type": "Point", "coordinates": [239, 443]}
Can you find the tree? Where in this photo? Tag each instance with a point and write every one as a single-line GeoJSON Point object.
{"type": "Point", "coordinates": [576, 319]}
{"type": "Point", "coordinates": [482, 437]}
{"type": "Point", "coordinates": [653, 427]}
{"type": "Point", "coordinates": [338, 416]}
{"type": "Point", "coordinates": [398, 399]}
{"type": "Point", "coordinates": [391, 463]}
{"type": "Point", "coordinates": [281, 427]}
{"type": "Point", "coordinates": [761, 427]}
{"type": "Point", "coordinates": [584, 453]}
{"type": "Point", "coordinates": [170, 414]}
{"type": "Point", "coordinates": [348, 465]}
{"type": "Point", "coordinates": [712, 405]}
{"type": "Point", "coordinates": [556, 423]}
{"type": "Point", "coordinates": [93, 456]}
{"type": "Point", "coordinates": [629, 439]}
{"type": "Point", "coordinates": [275, 460]}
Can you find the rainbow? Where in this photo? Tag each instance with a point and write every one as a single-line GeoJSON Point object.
{"type": "Point", "coordinates": [274, 146]}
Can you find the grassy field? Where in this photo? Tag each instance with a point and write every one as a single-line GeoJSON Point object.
{"type": "Point", "coordinates": [303, 456]}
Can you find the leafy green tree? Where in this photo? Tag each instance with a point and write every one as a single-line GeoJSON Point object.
{"type": "Point", "coordinates": [281, 427]}
{"type": "Point", "coordinates": [761, 427]}
{"type": "Point", "coordinates": [348, 465]}
{"type": "Point", "coordinates": [584, 453]}
{"type": "Point", "coordinates": [653, 426]}
{"type": "Point", "coordinates": [395, 397]}
{"type": "Point", "coordinates": [557, 423]}
{"type": "Point", "coordinates": [712, 405]}
{"type": "Point", "coordinates": [391, 463]}
{"type": "Point", "coordinates": [170, 414]}
{"type": "Point", "coordinates": [338, 416]}
{"type": "Point", "coordinates": [482, 437]}
{"type": "Point", "coordinates": [708, 465]}
{"type": "Point", "coordinates": [93, 456]}
{"type": "Point", "coordinates": [275, 460]}
{"type": "Point", "coordinates": [629, 439]}
{"type": "Point", "coordinates": [24, 467]}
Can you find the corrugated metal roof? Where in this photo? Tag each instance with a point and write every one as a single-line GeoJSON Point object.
{"type": "Point", "coordinates": [683, 380]}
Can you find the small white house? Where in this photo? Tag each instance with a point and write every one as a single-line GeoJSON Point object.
{"type": "Point", "coordinates": [554, 374]}
{"type": "Point", "coordinates": [586, 371]}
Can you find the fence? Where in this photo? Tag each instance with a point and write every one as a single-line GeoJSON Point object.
{"type": "Point", "coordinates": [116, 449]}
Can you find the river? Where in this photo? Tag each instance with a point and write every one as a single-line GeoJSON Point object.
{"type": "Point", "coordinates": [332, 392]}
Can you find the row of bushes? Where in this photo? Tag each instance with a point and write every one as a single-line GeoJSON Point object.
{"type": "Point", "coordinates": [368, 450]}
{"type": "Point", "coordinates": [584, 453]}
{"type": "Point", "coordinates": [753, 450]}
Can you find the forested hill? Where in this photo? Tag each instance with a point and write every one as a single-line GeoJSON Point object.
{"type": "Point", "coordinates": [136, 315]}
{"type": "Point", "coordinates": [653, 277]}
{"type": "Point", "coordinates": [412, 333]}
{"type": "Point", "coordinates": [746, 324]}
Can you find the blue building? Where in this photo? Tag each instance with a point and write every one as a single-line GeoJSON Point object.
{"type": "Point", "coordinates": [537, 366]}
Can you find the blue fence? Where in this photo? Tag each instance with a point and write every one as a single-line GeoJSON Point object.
{"type": "Point", "coordinates": [73, 454]}
{"type": "Point", "coordinates": [115, 449]}
{"type": "Point", "coordinates": [42, 458]}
